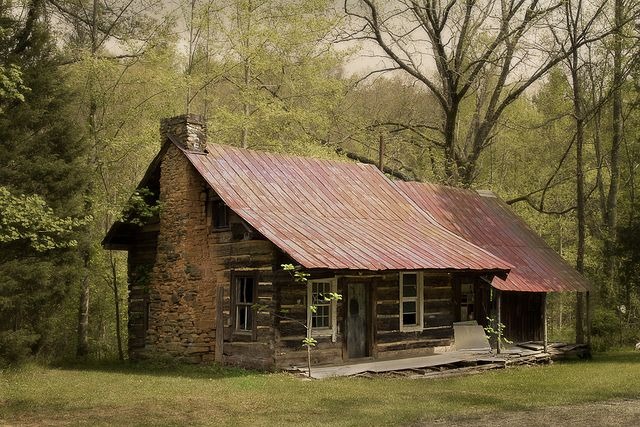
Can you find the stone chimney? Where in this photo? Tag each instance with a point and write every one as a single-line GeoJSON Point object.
{"type": "Point", "coordinates": [187, 130]}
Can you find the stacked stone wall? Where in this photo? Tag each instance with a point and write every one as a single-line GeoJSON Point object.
{"type": "Point", "coordinates": [182, 286]}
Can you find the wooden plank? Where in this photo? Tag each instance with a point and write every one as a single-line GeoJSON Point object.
{"type": "Point", "coordinates": [427, 334]}
{"type": "Point", "coordinates": [392, 323]}
{"type": "Point", "coordinates": [387, 309]}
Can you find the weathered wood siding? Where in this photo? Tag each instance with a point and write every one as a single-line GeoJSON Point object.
{"type": "Point", "coordinates": [141, 259]}
{"type": "Point", "coordinates": [522, 315]}
{"type": "Point", "coordinates": [438, 315]}
{"type": "Point", "coordinates": [255, 349]}
{"type": "Point", "coordinates": [289, 331]}
{"type": "Point", "coordinates": [388, 341]}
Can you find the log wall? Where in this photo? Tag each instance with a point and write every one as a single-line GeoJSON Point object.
{"type": "Point", "coordinates": [438, 314]}
{"type": "Point", "coordinates": [141, 259]}
{"type": "Point", "coordinates": [522, 316]}
{"type": "Point", "coordinates": [289, 320]}
{"type": "Point", "coordinates": [388, 340]}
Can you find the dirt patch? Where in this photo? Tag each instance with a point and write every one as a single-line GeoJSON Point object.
{"type": "Point", "coordinates": [624, 412]}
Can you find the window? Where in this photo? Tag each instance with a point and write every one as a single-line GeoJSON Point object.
{"type": "Point", "coordinates": [467, 302]}
{"type": "Point", "coordinates": [217, 212]}
{"type": "Point", "coordinates": [244, 300]}
{"type": "Point", "coordinates": [411, 301]}
{"type": "Point", "coordinates": [220, 214]}
{"type": "Point", "coordinates": [323, 321]}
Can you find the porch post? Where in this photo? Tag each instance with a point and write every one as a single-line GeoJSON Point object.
{"type": "Point", "coordinates": [544, 323]}
{"type": "Point", "coordinates": [499, 320]}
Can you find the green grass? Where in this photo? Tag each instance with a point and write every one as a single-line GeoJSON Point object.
{"type": "Point", "coordinates": [144, 395]}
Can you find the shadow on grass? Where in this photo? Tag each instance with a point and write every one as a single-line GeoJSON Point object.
{"type": "Point", "coordinates": [157, 368]}
{"type": "Point", "coordinates": [172, 368]}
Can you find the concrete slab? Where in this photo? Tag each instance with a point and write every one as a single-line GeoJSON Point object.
{"type": "Point", "coordinates": [470, 336]}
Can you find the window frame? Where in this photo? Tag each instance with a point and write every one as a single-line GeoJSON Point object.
{"type": "Point", "coordinates": [214, 202]}
{"type": "Point", "coordinates": [235, 283]}
{"type": "Point", "coordinates": [418, 299]}
{"type": "Point", "coordinates": [465, 301]}
{"type": "Point", "coordinates": [332, 329]}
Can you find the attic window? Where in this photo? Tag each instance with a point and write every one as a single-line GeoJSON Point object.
{"type": "Point", "coordinates": [218, 214]}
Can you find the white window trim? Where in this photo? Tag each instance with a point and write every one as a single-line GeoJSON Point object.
{"type": "Point", "coordinates": [332, 330]}
{"type": "Point", "coordinates": [238, 304]}
{"type": "Point", "coordinates": [419, 302]}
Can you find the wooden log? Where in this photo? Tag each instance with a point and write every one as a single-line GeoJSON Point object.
{"type": "Point", "coordinates": [470, 370]}
{"type": "Point", "coordinates": [385, 309]}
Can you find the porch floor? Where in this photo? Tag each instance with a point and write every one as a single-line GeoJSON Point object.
{"type": "Point", "coordinates": [380, 366]}
{"type": "Point", "coordinates": [451, 363]}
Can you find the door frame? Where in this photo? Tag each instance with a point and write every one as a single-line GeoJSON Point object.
{"type": "Point", "coordinates": [369, 284]}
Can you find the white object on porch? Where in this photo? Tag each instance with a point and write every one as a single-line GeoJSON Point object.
{"type": "Point", "coordinates": [469, 336]}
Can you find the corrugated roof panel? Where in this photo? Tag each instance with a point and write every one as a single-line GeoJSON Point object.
{"type": "Point", "coordinates": [338, 215]}
{"type": "Point", "coordinates": [488, 222]}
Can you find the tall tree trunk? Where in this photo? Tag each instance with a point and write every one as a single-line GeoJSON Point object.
{"type": "Point", "coordinates": [246, 112]}
{"type": "Point", "coordinates": [116, 298]}
{"type": "Point", "coordinates": [245, 13]}
{"type": "Point", "coordinates": [192, 47]}
{"type": "Point", "coordinates": [581, 232]}
{"type": "Point", "coordinates": [580, 192]}
{"type": "Point", "coordinates": [85, 289]}
{"type": "Point", "coordinates": [82, 350]}
{"type": "Point", "coordinates": [450, 144]}
{"type": "Point", "coordinates": [616, 142]}
{"type": "Point", "coordinates": [580, 211]}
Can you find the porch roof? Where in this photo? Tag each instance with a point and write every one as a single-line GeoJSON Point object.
{"type": "Point", "coordinates": [485, 220]}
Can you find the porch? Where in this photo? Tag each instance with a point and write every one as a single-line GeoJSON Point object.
{"type": "Point", "coordinates": [470, 353]}
{"type": "Point", "coordinates": [453, 363]}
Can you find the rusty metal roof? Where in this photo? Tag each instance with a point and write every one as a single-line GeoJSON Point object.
{"type": "Point", "coordinates": [485, 220]}
{"type": "Point", "coordinates": [336, 215]}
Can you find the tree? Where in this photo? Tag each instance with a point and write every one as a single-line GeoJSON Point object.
{"type": "Point", "coordinates": [266, 73]}
{"type": "Point", "coordinates": [624, 45]}
{"type": "Point", "coordinates": [42, 179]}
{"type": "Point", "coordinates": [95, 30]}
{"type": "Point", "coordinates": [483, 52]}
{"type": "Point", "coordinates": [29, 221]}
{"type": "Point", "coordinates": [573, 14]}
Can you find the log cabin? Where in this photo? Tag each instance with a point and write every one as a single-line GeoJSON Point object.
{"type": "Point", "coordinates": [206, 281]}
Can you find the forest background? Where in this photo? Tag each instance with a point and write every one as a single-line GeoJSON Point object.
{"type": "Point", "coordinates": [537, 100]}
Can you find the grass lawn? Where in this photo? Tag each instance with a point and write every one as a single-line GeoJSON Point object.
{"type": "Point", "coordinates": [142, 395]}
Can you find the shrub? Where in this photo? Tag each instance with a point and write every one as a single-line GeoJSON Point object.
{"type": "Point", "coordinates": [15, 346]}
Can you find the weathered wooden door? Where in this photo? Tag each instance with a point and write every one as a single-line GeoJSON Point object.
{"type": "Point", "coordinates": [357, 320]}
